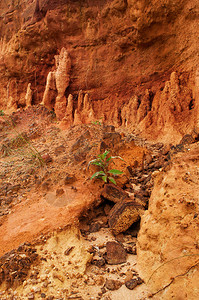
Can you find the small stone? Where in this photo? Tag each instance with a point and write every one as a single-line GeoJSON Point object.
{"type": "Point", "coordinates": [43, 277]}
{"type": "Point", "coordinates": [120, 238]}
{"type": "Point", "coordinates": [166, 149]}
{"type": "Point", "coordinates": [59, 150]}
{"type": "Point", "coordinates": [129, 276]}
{"type": "Point", "coordinates": [68, 250]}
{"type": "Point", "coordinates": [99, 280]}
{"type": "Point", "coordinates": [113, 285]}
{"type": "Point", "coordinates": [139, 280]}
{"type": "Point", "coordinates": [103, 290]}
{"type": "Point", "coordinates": [187, 139]}
{"type": "Point", "coordinates": [111, 138]}
{"type": "Point", "coordinates": [45, 284]}
{"type": "Point", "coordinates": [131, 249]}
{"type": "Point", "coordinates": [58, 276]}
{"type": "Point", "coordinates": [36, 289]}
{"type": "Point", "coordinates": [98, 261]}
{"type": "Point", "coordinates": [24, 283]}
{"type": "Point", "coordinates": [94, 227]}
{"type": "Point", "coordinates": [31, 296]}
{"type": "Point", "coordinates": [59, 192]}
{"type": "Point", "coordinates": [131, 284]}
{"type": "Point", "coordinates": [33, 281]}
{"type": "Point", "coordinates": [116, 253]}
{"type": "Point", "coordinates": [46, 158]}
{"type": "Point", "coordinates": [69, 179]}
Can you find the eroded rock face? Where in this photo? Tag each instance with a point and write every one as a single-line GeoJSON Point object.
{"type": "Point", "coordinates": [118, 50]}
{"type": "Point", "coordinates": [168, 240]}
{"type": "Point", "coordinates": [57, 82]}
{"type": "Point", "coordinates": [166, 114]}
{"type": "Point", "coordinates": [84, 112]}
{"type": "Point", "coordinates": [28, 97]}
{"type": "Point", "coordinates": [69, 118]}
{"type": "Point", "coordinates": [129, 112]}
{"type": "Point", "coordinates": [197, 94]}
{"type": "Point", "coordinates": [62, 78]}
{"type": "Point", "coordinates": [50, 91]}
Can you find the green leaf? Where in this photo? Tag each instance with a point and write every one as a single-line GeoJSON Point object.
{"type": "Point", "coordinates": [97, 163]}
{"type": "Point", "coordinates": [91, 161]}
{"type": "Point", "coordinates": [112, 180]}
{"type": "Point", "coordinates": [108, 159]}
{"type": "Point", "coordinates": [96, 123]}
{"type": "Point", "coordinates": [1, 113]}
{"type": "Point", "coordinates": [115, 171]}
{"type": "Point", "coordinates": [105, 154]}
{"type": "Point", "coordinates": [96, 174]}
{"type": "Point", "coordinates": [104, 178]}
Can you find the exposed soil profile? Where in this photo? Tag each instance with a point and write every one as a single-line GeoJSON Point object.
{"type": "Point", "coordinates": [99, 148]}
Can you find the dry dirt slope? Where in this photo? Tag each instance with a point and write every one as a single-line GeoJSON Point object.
{"type": "Point", "coordinates": [45, 186]}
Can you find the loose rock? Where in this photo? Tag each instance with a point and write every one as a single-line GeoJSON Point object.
{"type": "Point", "coordinates": [124, 214]}
{"type": "Point", "coordinates": [116, 253]}
{"type": "Point", "coordinates": [131, 284]}
{"type": "Point", "coordinates": [114, 193]}
{"type": "Point", "coordinates": [113, 285]}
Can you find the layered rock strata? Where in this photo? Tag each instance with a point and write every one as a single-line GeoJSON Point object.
{"type": "Point", "coordinates": [121, 53]}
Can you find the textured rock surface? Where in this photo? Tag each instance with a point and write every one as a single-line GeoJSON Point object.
{"type": "Point", "coordinates": [84, 113]}
{"type": "Point", "coordinates": [124, 214]}
{"type": "Point", "coordinates": [116, 253]}
{"type": "Point", "coordinates": [131, 284]}
{"type": "Point", "coordinates": [15, 265]}
{"type": "Point", "coordinates": [113, 193]}
{"type": "Point", "coordinates": [57, 82]}
{"type": "Point", "coordinates": [62, 78]}
{"type": "Point", "coordinates": [168, 240]}
{"type": "Point", "coordinates": [112, 285]}
{"type": "Point", "coordinates": [28, 97]}
{"type": "Point", "coordinates": [50, 91]}
{"type": "Point", "coordinates": [68, 117]}
{"type": "Point", "coordinates": [163, 114]}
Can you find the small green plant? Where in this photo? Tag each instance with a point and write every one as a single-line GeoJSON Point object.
{"type": "Point", "coordinates": [103, 161]}
{"type": "Point", "coordinates": [97, 122]}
